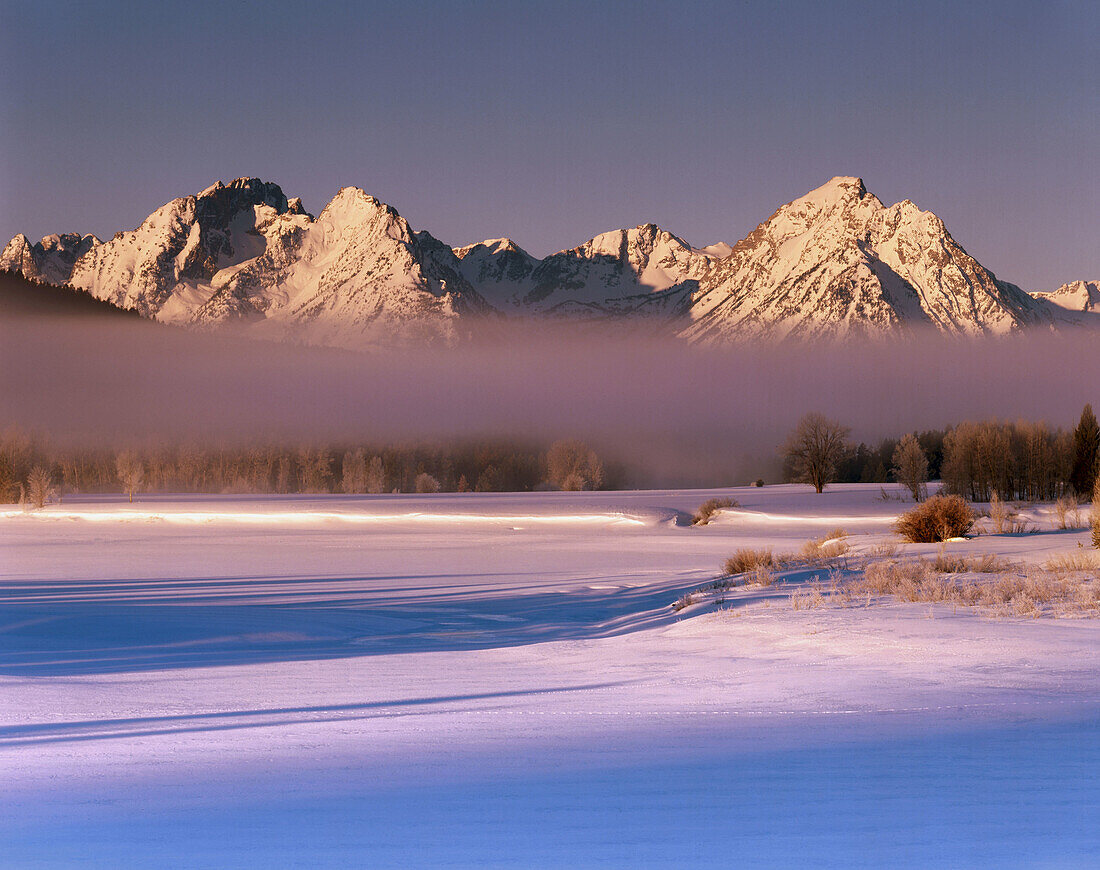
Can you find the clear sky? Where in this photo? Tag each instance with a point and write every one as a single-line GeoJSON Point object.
{"type": "Point", "coordinates": [551, 122]}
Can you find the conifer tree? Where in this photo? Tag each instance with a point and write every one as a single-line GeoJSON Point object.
{"type": "Point", "coordinates": [1086, 447]}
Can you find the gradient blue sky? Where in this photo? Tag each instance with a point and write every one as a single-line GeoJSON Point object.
{"type": "Point", "coordinates": [551, 122]}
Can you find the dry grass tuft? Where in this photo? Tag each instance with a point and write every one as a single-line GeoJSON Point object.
{"type": "Point", "coordinates": [1068, 563]}
{"type": "Point", "coordinates": [761, 576]}
{"type": "Point", "coordinates": [749, 560]}
{"type": "Point", "coordinates": [1030, 594]}
{"type": "Point", "coordinates": [883, 550]}
{"type": "Point", "coordinates": [986, 563]}
{"type": "Point", "coordinates": [710, 507]}
{"type": "Point", "coordinates": [807, 599]}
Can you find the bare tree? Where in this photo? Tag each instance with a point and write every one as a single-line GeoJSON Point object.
{"type": "Point", "coordinates": [815, 448]}
{"type": "Point", "coordinates": [130, 470]}
{"type": "Point", "coordinates": [911, 466]}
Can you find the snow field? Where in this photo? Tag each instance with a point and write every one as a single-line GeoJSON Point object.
{"type": "Point", "coordinates": [229, 682]}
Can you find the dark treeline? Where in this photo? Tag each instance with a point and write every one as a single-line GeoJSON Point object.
{"type": "Point", "coordinates": [468, 467]}
{"type": "Point", "coordinates": [865, 463]}
{"type": "Point", "coordinates": [28, 296]}
{"type": "Point", "coordinates": [1024, 460]}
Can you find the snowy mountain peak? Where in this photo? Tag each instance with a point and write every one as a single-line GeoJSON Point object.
{"type": "Point", "coordinates": [841, 188]}
{"type": "Point", "coordinates": [837, 262]}
{"type": "Point", "coordinates": [1077, 302]}
{"type": "Point", "coordinates": [832, 263]}
{"type": "Point", "coordinates": [51, 259]}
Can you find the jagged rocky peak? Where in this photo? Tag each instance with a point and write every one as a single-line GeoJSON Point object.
{"type": "Point", "coordinates": [182, 245]}
{"type": "Point", "coordinates": [219, 202]}
{"type": "Point", "coordinates": [51, 259]}
{"type": "Point", "coordinates": [352, 206]}
{"type": "Point", "coordinates": [1076, 303]}
{"type": "Point", "coordinates": [495, 247]}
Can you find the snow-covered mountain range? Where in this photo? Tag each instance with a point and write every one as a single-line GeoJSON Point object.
{"type": "Point", "coordinates": [832, 264]}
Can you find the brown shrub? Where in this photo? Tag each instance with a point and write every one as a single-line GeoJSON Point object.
{"type": "Point", "coordinates": [937, 519]}
{"type": "Point", "coordinates": [748, 560]}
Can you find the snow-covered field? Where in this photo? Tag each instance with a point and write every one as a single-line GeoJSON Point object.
{"type": "Point", "coordinates": [499, 681]}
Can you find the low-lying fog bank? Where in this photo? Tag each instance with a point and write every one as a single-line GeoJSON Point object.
{"type": "Point", "coordinates": [684, 414]}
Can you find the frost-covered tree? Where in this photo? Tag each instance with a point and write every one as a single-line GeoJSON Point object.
{"type": "Point", "coordinates": [815, 448]}
{"type": "Point", "coordinates": [131, 471]}
{"type": "Point", "coordinates": [40, 486]}
{"type": "Point", "coordinates": [376, 476]}
{"type": "Point", "coordinates": [314, 469]}
{"type": "Point", "coordinates": [15, 460]}
{"type": "Point", "coordinates": [426, 483]}
{"type": "Point", "coordinates": [354, 470]}
{"type": "Point", "coordinates": [1086, 453]}
{"type": "Point", "coordinates": [911, 466]}
{"type": "Point", "coordinates": [572, 465]}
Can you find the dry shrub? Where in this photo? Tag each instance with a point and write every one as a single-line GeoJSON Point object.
{"type": "Point", "coordinates": [832, 546]}
{"type": "Point", "coordinates": [807, 599]}
{"type": "Point", "coordinates": [1028, 595]}
{"type": "Point", "coordinates": [1000, 513]}
{"type": "Point", "coordinates": [710, 507]}
{"type": "Point", "coordinates": [986, 563]}
{"type": "Point", "coordinates": [883, 549]}
{"type": "Point", "coordinates": [1068, 563]}
{"type": "Point", "coordinates": [1067, 513]}
{"type": "Point", "coordinates": [761, 576]}
{"type": "Point", "coordinates": [749, 560]}
{"type": "Point", "coordinates": [937, 519]}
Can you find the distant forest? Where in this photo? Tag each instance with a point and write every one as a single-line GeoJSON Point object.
{"type": "Point", "coordinates": [26, 463]}
{"type": "Point", "coordinates": [1022, 460]}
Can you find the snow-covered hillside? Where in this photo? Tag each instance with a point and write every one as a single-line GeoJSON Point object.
{"type": "Point", "coordinates": [834, 263]}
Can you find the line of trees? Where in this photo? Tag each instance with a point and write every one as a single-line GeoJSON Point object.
{"type": "Point", "coordinates": [28, 464]}
{"type": "Point", "coordinates": [1024, 460]}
